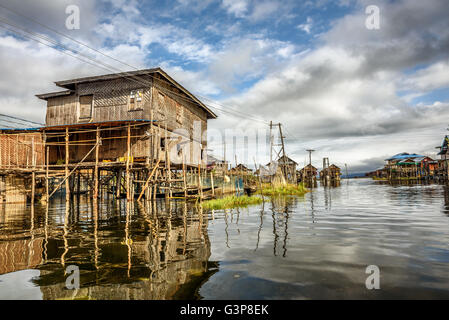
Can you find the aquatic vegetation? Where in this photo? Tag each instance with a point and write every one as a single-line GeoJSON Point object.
{"type": "Point", "coordinates": [380, 179]}
{"type": "Point", "coordinates": [288, 189]}
{"type": "Point", "coordinates": [231, 202]}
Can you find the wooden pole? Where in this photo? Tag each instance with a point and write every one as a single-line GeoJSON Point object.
{"type": "Point", "coordinates": [169, 171]}
{"type": "Point", "coordinates": [67, 188]}
{"type": "Point", "coordinates": [78, 184]}
{"type": "Point", "coordinates": [167, 165]}
{"type": "Point", "coordinates": [200, 188]}
{"type": "Point", "coordinates": [184, 176]}
{"type": "Point", "coordinates": [33, 174]}
{"type": "Point", "coordinates": [259, 179]}
{"type": "Point", "coordinates": [212, 183]}
{"type": "Point", "coordinates": [155, 185]}
{"type": "Point", "coordinates": [223, 167]}
{"type": "Point", "coordinates": [46, 174]}
{"type": "Point", "coordinates": [97, 150]}
{"type": "Point", "coordinates": [148, 180]}
{"type": "Point", "coordinates": [284, 156]}
{"type": "Point", "coordinates": [128, 198]}
{"type": "Point", "coordinates": [118, 183]}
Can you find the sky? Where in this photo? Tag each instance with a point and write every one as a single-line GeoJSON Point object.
{"type": "Point", "coordinates": [354, 94]}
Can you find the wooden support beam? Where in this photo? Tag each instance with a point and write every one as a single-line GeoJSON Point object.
{"type": "Point", "coordinates": [200, 187]}
{"type": "Point", "coordinates": [184, 175]}
{"type": "Point", "coordinates": [46, 174]}
{"type": "Point", "coordinates": [128, 155]}
{"type": "Point", "coordinates": [118, 183]}
{"type": "Point", "coordinates": [67, 188]}
{"type": "Point", "coordinates": [97, 150]}
{"type": "Point", "coordinates": [148, 180]}
{"type": "Point", "coordinates": [212, 183]}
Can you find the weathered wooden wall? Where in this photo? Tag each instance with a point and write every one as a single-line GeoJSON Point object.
{"type": "Point", "coordinates": [170, 108]}
{"type": "Point", "coordinates": [160, 101]}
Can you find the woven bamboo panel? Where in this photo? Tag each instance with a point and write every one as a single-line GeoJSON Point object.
{"type": "Point", "coordinates": [21, 150]}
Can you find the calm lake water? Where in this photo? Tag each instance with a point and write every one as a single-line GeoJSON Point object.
{"type": "Point", "coordinates": [312, 247]}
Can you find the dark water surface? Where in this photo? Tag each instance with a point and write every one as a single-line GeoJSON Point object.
{"type": "Point", "coordinates": [317, 246]}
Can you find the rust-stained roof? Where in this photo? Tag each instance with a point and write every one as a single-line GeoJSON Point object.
{"type": "Point", "coordinates": [71, 84]}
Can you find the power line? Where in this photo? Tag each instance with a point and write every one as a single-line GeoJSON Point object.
{"type": "Point", "coordinates": [66, 36]}
{"type": "Point", "coordinates": [17, 118]}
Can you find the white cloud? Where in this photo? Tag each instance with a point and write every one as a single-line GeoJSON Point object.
{"type": "Point", "coordinates": [237, 8]}
{"type": "Point", "coordinates": [27, 69]}
{"type": "Point", "coordinates": [264, 9]}
{"type": "Point", "coordinates": [306, 27]}
{"type": "Point", "coordinates": [435, 76]}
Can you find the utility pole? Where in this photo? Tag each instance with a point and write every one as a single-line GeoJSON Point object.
{"type": "Point", "coordinates": [271, 142]}
{"type": "Point", "coordinates": [225, 171]}
{"type": "Point", "coordinates": [346, 168]}
{"type": "Point", "coordinates": [284, 157]}
{"type": "Point", "coordinates": [310, 163]}
{"type": "Point", "coordinates": [278, 152]}
{"type": "Point", "coordinates": [326, 174]}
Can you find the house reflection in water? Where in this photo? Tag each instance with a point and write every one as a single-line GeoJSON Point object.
{"type": "Point", "coordinates": [17, 251]}
{"type": "Point", "coordinates": [156, 251]}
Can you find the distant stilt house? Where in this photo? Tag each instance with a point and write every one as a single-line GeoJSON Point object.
{"type": "Point", "coordinates": [379, 173]}
{"type": "Point", "coordinates": [330, 175]}
{"type": "Point", "coordinates": [288, 167]}
{"type": "Point", "coordinates": [270, 173]}
{"type": "Point", "coordinates": [409, 166]}
{"type": "Point", "coordinates": [308, 175]}
{"type": "Point", "coordinates": [217, 165]}
{"type": "Point", "coordinates": [429, 166]}
{"type": "Point", "coordinates": [443, 162]}
{"type": "Point", "coordinates": [241, 169]}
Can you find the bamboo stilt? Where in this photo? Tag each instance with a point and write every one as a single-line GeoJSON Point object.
{"type": "Point", "coordinates": [46, 174]}
{"type": "Point", "coordinates": [118, 183]}
{"type": "Point", "coordinates": [67, 188]}
{"type": "Point", "coordinates": [128, 187]}
{"type": "Point", "coordinates": [97, 150]}
{"type": "Point", "coordinates": [148, 180]}
{"type": "Point", "coordinates": [212, 183]}
{"type": "Point", "coordinates": [184, 176]}
{"type": "Point", "coordinates": [200, 187]}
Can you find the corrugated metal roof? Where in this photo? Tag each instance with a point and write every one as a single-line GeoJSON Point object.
{"type": "Point", "coordinates": [21, 129]}
{"type": "Point", "coordinates": [444, 146]}
{"type": "Point", "coordinates": [405, 155]}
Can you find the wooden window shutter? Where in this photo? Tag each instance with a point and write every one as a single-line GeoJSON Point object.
{"type": "Point", "coordinates": [86, 107]}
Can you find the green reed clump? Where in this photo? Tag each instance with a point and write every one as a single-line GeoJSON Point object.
{"type": "Point", "coordinates": [289, 189]}
{"type": "Point", "coordinates": [231, 202]}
